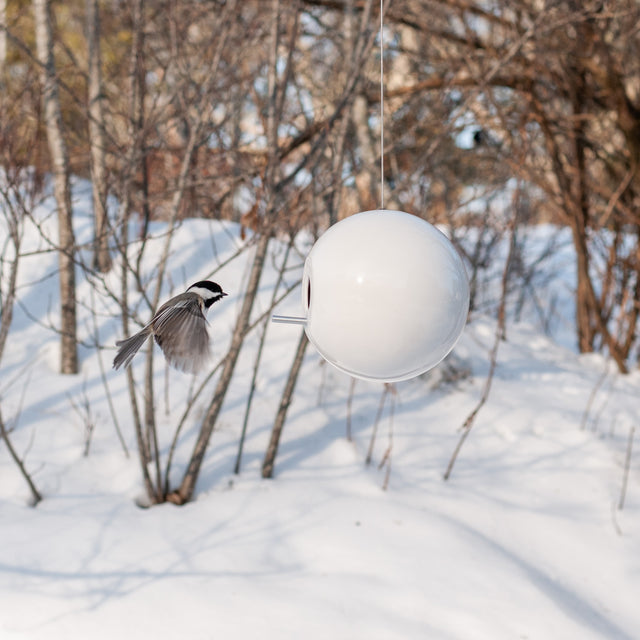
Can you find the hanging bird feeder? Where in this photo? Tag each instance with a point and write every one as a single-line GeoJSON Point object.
{"type": "Point", "coordinates": [385, 294]}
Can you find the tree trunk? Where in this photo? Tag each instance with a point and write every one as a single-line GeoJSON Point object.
{"type": "Point", "coordinates": [101, 257]}
{"type": "Point", "coordinates": [285, 401]}
{"type": "Point", "coordinates": [367, 178]}
{"type": "Point", "coordinates": [62, 192]}
{"type": "Point", "coordinates": [8, 292]}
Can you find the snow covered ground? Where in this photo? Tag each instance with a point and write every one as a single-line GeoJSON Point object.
{"type": "Point", "coordinates": [525, 540]}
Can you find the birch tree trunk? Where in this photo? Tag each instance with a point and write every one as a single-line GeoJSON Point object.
{"type": "Point", "coordinates": [101, 258]}
{"type": "Point", "coordinates": [3, 35]}
{"type": "Point", "coordinates": [62, 192]}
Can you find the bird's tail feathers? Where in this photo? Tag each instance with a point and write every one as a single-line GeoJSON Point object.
{"type": "Point", "coordinates": [128, 348]}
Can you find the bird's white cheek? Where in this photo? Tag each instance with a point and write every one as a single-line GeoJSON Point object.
{"type": "Point", "coordinates": [205, 294]}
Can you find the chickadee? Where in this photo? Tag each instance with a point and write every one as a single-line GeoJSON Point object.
{"type": "Point", "coordinates": [179, 327]}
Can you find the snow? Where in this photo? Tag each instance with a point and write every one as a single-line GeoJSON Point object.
{"type": "Point", "coordinates": [525, 540]}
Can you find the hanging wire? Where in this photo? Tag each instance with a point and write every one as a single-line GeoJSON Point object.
{"type": "Point", "coordinates": [381, 104]}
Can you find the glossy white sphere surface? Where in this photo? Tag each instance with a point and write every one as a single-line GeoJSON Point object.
{"type": "Point", "coordinates": [386, 295]}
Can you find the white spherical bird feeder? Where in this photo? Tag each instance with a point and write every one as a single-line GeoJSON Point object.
{"type": "Point", "coordinates": [386, 295]}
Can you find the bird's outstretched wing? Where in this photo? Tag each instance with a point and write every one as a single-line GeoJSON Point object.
{"type": "Point", "coordinates": [181, 333]}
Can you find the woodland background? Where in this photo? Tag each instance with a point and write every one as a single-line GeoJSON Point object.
{"type": "Point", "coordinates": [498, 115]}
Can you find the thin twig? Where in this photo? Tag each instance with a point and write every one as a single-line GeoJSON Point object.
{"type": "Point", "coordinates": [323, 381]}
{"type": "Point", "coordinates": [352, 387]}
{"type": "Point", "coordinates": [593, 394]}
{"type": "Point", "coordinates": [372, 441]}
{"type": "Point", "coordinates": [627, 466]}
{"type": "Point", "coordinates": [83, 410]}
{"type": "Point", "coordinates": [386, 458]}
{"type": "Point", "coordinates": [105, 384]}
{"type": "Point", "coordinates": [35, 494]}
{"type": "Point", "coordinates": [256, 365]}
{"type": "Point", "coordinates": [499, 337]}
{"type": "Point", "coordinates": [285, 400]}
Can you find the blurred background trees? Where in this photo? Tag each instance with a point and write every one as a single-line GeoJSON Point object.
{"type": "Point", "coordinates": [268, 114]}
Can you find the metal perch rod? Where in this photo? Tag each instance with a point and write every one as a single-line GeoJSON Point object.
{"type": "Point", "coordinates": [289, 319]}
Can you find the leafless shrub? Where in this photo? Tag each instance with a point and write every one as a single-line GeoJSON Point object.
{"type": "Point", "coordinates": [19, 189]}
